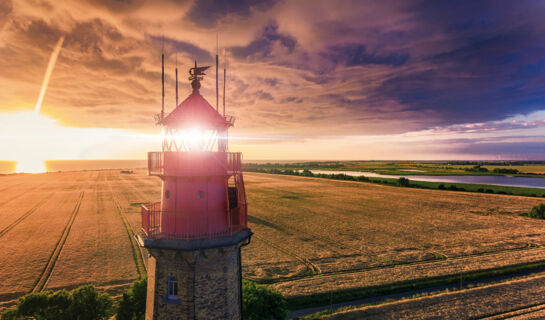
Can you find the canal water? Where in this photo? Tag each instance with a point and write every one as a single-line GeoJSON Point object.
{"type": "Point", "coordinates": [525, 182]}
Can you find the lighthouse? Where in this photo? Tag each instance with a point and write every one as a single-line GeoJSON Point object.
{"type": "Point", "coordinates": [195, 233]}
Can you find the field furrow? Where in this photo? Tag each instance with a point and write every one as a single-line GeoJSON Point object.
{"type": "Point", "coordinates": [98, 237]}
{"type": "Point", "coordinates": [44, 276]}
{"type": "Point", "coordinates": [474, 303]}
{"type": "Point", "coordinates": [26, 249]}
{"type": "Point", "coordinates": [138, 253]}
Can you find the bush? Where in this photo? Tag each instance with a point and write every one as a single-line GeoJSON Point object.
{"type": "Point", "coordinates": [307, 173]}
{"type": "Point", "coordinates": [403, 182]}
{"type": "Point", "coordinates": [132, 305]}
{"type": "Point", "coordinates": [441, 187]}
{"type": "Point", "coordinates": [364, 178]}
{"type": "Point", "coordinates": [476, 169]}
{"type": "Point", "coordinates": [489, 191]}
{"type": "Point", "coordinates": [505, 170]}
{"type": "Point", "coordinates": [453, 187]}
{"type": "Point", "coordinates": [82, 303]}
{"type": "Point", "coordinates": [537, 212]}
{"type": "Point", "coordinates": [261, 302]}
{"type": "Point", "coordinates": [480, 190]}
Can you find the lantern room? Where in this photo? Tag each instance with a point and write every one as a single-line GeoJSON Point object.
{"type": "Point", "coordinates": [203, 195]}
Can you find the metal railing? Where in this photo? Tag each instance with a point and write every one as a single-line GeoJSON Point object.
{"type": "Point", "coordinates": [232, 162]}
{"type": "Point", "coordinates": [158, 224]}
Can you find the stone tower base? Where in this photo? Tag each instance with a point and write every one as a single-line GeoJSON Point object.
{"type": "Point", "coordinates": [208, 283]}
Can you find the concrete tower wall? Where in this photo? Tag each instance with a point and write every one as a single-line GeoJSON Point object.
{"type": "Point", "coordinates": [208, 284]}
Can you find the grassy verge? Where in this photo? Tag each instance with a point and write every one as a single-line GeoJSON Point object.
{"type": "Point", "coordinates": [300, 302]}
{"type": "Point", "coordinates": [467, 187]}
{"type": "Point", "coordinates": [534, 169]}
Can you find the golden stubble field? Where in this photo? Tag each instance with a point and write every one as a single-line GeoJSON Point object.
{"type": "Point", "coordinates": [61, 230]}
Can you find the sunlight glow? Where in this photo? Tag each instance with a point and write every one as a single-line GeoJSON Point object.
{"type": "Point", "coordinates": [194, 139]}
{"type": "Point", "coordinates": [31, 139]}
{"type": "Point", "coordinates": [30, 165]}
{"type": "Point", "coordinates": [197, 139]}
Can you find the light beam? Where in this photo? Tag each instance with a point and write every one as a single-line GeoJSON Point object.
{"type": "Point", "coordinates": [48, 72]}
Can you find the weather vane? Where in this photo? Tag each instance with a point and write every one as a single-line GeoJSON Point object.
{"type": "Point", "coordinates": [196, 73]}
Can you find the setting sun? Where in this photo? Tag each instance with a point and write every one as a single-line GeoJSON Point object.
{"type": "Point", "coordinates": [31, 139]}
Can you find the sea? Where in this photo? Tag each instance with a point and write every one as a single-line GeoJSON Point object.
{"type": "Point", "coordinates": [7, 167]}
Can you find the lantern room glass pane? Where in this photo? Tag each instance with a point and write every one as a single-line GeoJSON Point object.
{"type": "Point", "coordinates": [192, 139]}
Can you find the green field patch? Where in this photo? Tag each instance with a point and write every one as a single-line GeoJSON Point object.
{"type": "Point", "coordinates": [138, 204]}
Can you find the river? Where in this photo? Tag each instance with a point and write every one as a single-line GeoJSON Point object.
{"type": "Point", "coordinates": [524, 182]}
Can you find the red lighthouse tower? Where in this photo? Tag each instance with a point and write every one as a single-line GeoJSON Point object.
{"type": "Point", "coordinates": [195, 232]}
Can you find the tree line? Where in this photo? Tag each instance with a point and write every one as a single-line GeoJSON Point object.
{"type": "Point", "coordinates": [87, 303]}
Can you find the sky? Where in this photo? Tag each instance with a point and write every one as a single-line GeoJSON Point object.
{"type": "Point", "coordinates": [306, 80]}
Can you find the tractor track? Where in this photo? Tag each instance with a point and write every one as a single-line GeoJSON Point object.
{"type": "Point", "coordinates": [312, 269]}
{"type": "Point", "coordinates": [515, 312]}
{"type": "Point", "coordinates": [48, 269]}
{"type": "Point", "coordinates": [328, 274]}
{"type": "Point", "coordinates": [137, 253]}
{"type": "Point", "coordinates": [327, 240]}
{"type": "Point", "coordinates": [139, 194]}
{"type": "Point", "coordinates": [25, 215]}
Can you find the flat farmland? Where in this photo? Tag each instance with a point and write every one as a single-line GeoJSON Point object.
{"type": "Point", "coordinates": [352, 234]}
{"type": "Point", "coordinates": [60, 230]}
{"type": "Point", "coordinates": [518, 299]}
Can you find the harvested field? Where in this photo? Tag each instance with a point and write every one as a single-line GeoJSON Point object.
{"type": "Point", "coordinates": [341, 226]}
{"type": "Point", "coordinates": [97, 238]}
{"type": "Point", "coordinates": [311, 235]}
{"type": "Point", "coordinates": [490, 301]}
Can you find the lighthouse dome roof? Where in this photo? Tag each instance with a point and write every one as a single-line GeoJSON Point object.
{"type": "Point", "coordinates": [194, 110]}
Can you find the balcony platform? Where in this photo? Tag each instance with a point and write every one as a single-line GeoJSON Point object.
{"type": "Point", "coordinates": [173, 163]}
{"type": "Point", "coordinates": [191, 245]}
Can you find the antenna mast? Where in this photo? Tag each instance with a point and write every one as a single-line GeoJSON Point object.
{"type": "Point", "coordinates": [163, 80]}
{"type": "Point", "coordinates": [224, 77]}
{"type": "Point", "coordinates": [217, 92]}
{"type": "Point", "coordinates": [176, 79]}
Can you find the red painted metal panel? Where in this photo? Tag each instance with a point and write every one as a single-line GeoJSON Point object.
{"type": "Point", "coordinates": [198, 210]}
{"type": "Point", "coordinates": [195, 191]}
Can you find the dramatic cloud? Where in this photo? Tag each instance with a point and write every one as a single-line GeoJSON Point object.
{"type": "Point", "coordinates": [356, 55]}
{"type": "Point", "coordinates": [207, 13]}
{"type": "Point", "coordinates": [266, 42]}
{"type": "Point", "coordinates": [294, 68]}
